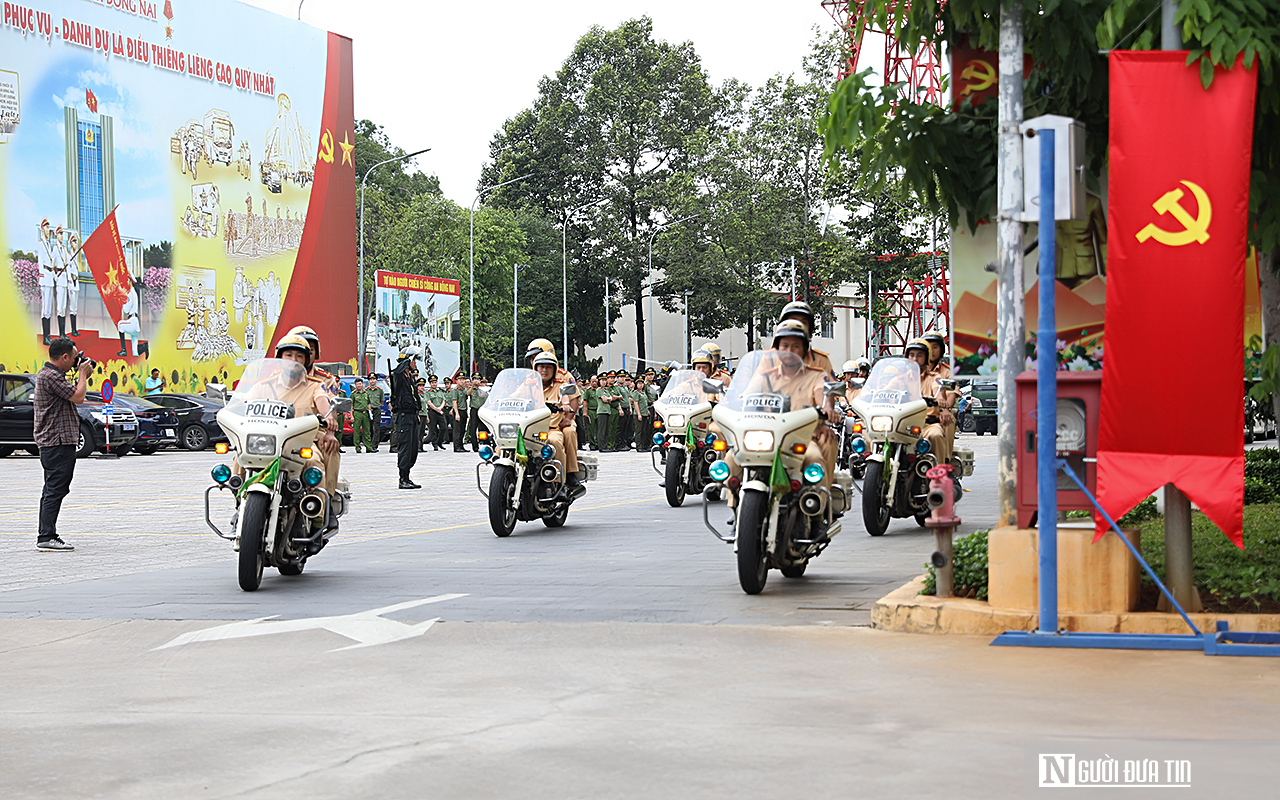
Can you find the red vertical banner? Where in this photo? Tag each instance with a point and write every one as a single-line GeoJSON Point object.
{"type": "Point", "coordinates": [1176, 245]}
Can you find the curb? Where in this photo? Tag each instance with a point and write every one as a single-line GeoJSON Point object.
{"type": "Point", "coordinates": [907, 611]}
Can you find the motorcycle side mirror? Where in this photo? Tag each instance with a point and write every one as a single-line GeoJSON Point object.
{"type": "Point", "coordinates": [857, 383]}
{"type": "Point", "coordinates": [712, 386]}
{"type": "Point", "coordinates": [341, 405]}
{"type": "Point", "coordinates": [835, 389]}
{"type": "Point", "coordinates": [947, 383]}
{"type": "Point", "coordinates": [216, 391]}
{"type": "Point", "coordinates": [569, 390]}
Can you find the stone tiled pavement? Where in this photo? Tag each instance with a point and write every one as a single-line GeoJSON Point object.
{"type": "Point", "coordinates": [143, 550]}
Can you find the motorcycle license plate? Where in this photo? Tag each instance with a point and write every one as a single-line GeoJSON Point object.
{"type": "Point", "coordinates": [267, 408]}
{"type": "Point", "coordinates": [681, 400]}
{"type": "Point", "coordinates": [128, 427]}
{"type": "Point", "coordinates": [766, 403]}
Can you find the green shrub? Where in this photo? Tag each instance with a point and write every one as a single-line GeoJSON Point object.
{"type": "Point", "coordinates": [1222, 569]}
{"type": "Point", "coordinates": [1262, 465]}
{"type": "Point", "coordinates": [969, 557]}
{"type": "Point", "coordinates": [1141, 513]}
{"type": "Point", "coordinates": [1256, 491]}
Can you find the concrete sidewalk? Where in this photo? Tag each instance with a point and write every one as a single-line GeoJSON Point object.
{"type": "Point", "coordinates": [535, 710]}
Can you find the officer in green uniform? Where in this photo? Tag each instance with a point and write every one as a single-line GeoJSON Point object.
{"type": "Point", "coordinates": [602, 412]}
{"type": "Point", "coordinates": [644, 431]}
{"type": "Point", "coordinates": [376, 396]}
{"type": "Point", "coordinates": [589, 393]}
{"type": "Point", "coordinates": [459, 400]}
{"type": "Point", "coordinates": [617, 411]}
{"type": "Point", "coordinates": [433, 398]}
{"type": "Point", "coordinates": [424, 418]}
{"type": "Point", "coordinates": [361, 425]}
{"type": "Point", "coordinates": [476, 395]}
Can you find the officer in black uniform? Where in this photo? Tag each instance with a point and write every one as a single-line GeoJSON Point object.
{"type": "Point", "coordinates": [405, 405]}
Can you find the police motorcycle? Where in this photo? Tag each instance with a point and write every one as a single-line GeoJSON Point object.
{"type": "Point", "coordinates": [849, 431]}
{"type": "Point", "coordinates": [527, 481]}
{"type": "Point", "coordinates": [897, 458]}
{"type": "Point", "coordinates": [283, 514]}
{"type": "Point", "coordinates": [783, 517]}
{"type": "Point", "coordinates": [687, 445]}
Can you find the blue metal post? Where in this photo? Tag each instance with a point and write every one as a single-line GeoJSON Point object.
{"type": "Point", "coordinates": [1047, 393]}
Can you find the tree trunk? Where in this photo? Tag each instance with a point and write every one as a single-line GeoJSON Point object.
{"type": "Point", "coordinates": [1270, 295]}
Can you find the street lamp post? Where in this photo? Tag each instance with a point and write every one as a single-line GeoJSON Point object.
{"type": "Point", "coordinates": [471, 268]}
{"type": "Point", "coordinates": [656, 231]}
{"type": "Point", "coordinates": [608, 325]}
{"type": "Point", "coordinates": [687, 292]}
{"type": "Point", "coordinates": [361, 332]}
{"type": "Point", "coordinates": [516, 269]}
{"type": "Point", "coordinates": [564, 252]}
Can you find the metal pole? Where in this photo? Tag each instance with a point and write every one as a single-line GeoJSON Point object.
{"type": "Point", "coordinates": [793, 278]}
{"type": "Point", "coordinates": [564, 298]}
{"type": "Point", "coordinates": [1047, 393]}
{"type": "Point", "coordinates": [655, 232]}
{"type": "Point", "coordinates": [300, 2]}
{"type": "Point", "coordinates": [515, 312]}
{"type": "Point", "coordinates": [471, 269]}
{"type": "Point", "coordinates": [1179, 571]}
{"type": "Point", "coordinates": [686, 327]}
{"type": "Point", "coordinates": [871, 349]}
{"type": "Point", "coordinates": [1011, 316]}
{"type": "Point", "coordinates": [361, 331]}
{"type": "Point", "coordinates": [608, 325]}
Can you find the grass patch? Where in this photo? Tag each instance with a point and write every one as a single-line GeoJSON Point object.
{"type": "Point", "coordinates": [1229, 579]}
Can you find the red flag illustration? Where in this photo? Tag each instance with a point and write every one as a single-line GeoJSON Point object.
{"type": "Point", "coordinates": [105, 255]}
{"type": "Point", "coordinates": [91, 100]}
{"type": "Point", "coordinates": [1176, 234]}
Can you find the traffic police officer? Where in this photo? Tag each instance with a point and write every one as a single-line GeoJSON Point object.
{"type": "Point", "coordinates": [801, 311]}
{"type": "Point", "coordinates": [404, 408]}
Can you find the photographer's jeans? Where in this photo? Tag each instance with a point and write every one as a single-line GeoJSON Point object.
{"type": "Point", "coordinates": [59, 464]}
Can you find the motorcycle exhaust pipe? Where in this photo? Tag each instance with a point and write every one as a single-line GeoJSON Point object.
{"type": "Point", "coordinates": [550, 472]}
{"type": "Point", "coordinates": [811, 503]}
{"type": "Point", "coordinates": [311, 505]}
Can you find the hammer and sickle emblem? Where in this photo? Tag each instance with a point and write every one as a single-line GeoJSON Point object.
{"type": "Point", "coordinates": [981, 73]}
{"type": "Point", "coordinates": [326, 147]}
{"type": "Point", "coordinates": [1194, 229]}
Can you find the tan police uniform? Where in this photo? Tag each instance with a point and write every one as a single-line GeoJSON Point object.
{"type": "Point", "coordinates": [305, 398]}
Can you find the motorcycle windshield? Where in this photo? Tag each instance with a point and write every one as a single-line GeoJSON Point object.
{"type": "Point", "coordinates": [271, 387]}
{"type": "Point", "coordinates": [893, 382]}
{"type": "Point", "coordinates": [773, 381]}
{"type": "Point", "coordinates": [684, 388]}
{"type": "Point", "coordinates": [515, 390]}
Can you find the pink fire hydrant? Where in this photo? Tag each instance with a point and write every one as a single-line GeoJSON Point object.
{"type": "Point", "coordinates": [942, 495]}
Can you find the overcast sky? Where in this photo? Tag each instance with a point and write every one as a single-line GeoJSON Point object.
{"type": "Point", "coordinates": [447, 75]}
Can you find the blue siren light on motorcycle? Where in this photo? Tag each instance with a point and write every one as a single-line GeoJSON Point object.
{"type": "Point", "coordinates": [548, 451]}
{"type": "Point", "coordinates": [719, 471]}
{"type": "Point", "coordinates": [859, 446]}
{"type": "Point", "coordinates": [486, 452]}
{"type": "Point", "coordinates": [813, 473]}
{"type": "Point", "coordinates": [221, 473]}
{"type": "Point", "coordinates": [312, 476]}
{"type": "Point", "coordinates": [657, 438]}
{"type": "Point", "coordinates": [711, 438]}
{"type": "Point", "coordinates": [922, 446]}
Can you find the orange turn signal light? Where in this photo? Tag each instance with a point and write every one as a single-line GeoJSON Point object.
{"type": "Point", "coordinates": [657, 424]}
{"type": "Point", "coordinates": [720, 445]}
{"type": "Point", "coordinates": [482, 435]}
{"type": "Point", "coordinates": [799, 448]}
{"type": "Point", "coordinates": [306, 452]}
{"type": "Point", "coordinates": [915, 430]}
{"type": "Point", "coordinates": [857, 427]}
{"type": "Point", "coordinates": [542, 437]}
{"type": "Point", "coordinates": [221, 448]}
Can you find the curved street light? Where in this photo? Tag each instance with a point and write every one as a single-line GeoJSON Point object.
{"type": "Point", "coordinates": [471, 268]}
{"type": "Point", "coordinates": [564, 252]}
{"type": "Point", "coordinates": [361, 332]}
{"type": "Point", "coordinates": [656, 231]}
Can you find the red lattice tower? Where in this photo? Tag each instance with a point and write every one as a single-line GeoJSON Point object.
{"type": "Point", "coordinates": [919, 70]}
{"type": "Point", "coordinates": [914, 307]}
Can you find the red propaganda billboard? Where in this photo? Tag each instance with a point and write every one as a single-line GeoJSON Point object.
{"type": "Point", "coordinates": [420, 311]}
{"type": "Point", "coordinates": [208, 173]}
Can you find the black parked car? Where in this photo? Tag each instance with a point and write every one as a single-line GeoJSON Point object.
{"type": "Point", "coordinates": [197, 418]}
{"type": "Point", "coordinates": [18, 420]}
{"type": "Point", "coordinates": [157, 425]}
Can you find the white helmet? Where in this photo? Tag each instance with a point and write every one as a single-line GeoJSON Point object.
{"type": "Point", "coordinates": [413, 352]}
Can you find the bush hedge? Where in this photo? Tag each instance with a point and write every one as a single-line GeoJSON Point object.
{"type": "Point", "coordinates": [969, 555]}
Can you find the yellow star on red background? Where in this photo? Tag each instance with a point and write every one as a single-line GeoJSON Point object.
{"type": "Point", "coordinates": [346, 150]}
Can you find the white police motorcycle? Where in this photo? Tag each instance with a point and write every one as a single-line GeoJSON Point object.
{"type": "Point", "coordinates": [527, 481]}
{"type": "Point", "coordinates": [784, 518]}
{"type": "Point", "coordinates": [282, 511]}
{"type": "Point", "coordinates": [690, 448]}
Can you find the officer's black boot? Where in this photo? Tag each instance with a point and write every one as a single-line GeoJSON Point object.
{"type": "Point", "coordinates": [44, 323]}
{"type": "Point", "coordinates": [74, 330]}
{"type": "Point", "coordinates": [122, 352]}
{"type": "Point", "coordinates": [62, 326]}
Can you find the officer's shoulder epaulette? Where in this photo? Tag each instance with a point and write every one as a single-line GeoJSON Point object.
{"type": "Point", "coordinates": [818, 352]}
{"type": "Point", "coordinates": [314, 379]}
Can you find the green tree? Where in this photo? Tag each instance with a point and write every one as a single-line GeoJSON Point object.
{"type": "Point", "coordinates": [158, 255]}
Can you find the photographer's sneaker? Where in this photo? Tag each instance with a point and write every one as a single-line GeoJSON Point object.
{"type": "Point", "coordinates": [53, 544]}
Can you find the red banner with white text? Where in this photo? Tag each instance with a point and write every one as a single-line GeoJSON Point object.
{"type": "Point", "coordinates": [1176, 234]}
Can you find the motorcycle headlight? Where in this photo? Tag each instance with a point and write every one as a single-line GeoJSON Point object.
{"type": "Point", "coordinates": [675, 421]}
{"type": "Point", "coordinates": [882, 424]}
{"type": "Point", "coordinates": [719, 471]}
{"type": "Point", "coordinates": [508, 430]}
{"type": "Point", "coordinates": [260, 444]}
{"type": "Point", "coordinates": [975, 402]}
{"type": "Point", "coordinates": [757, 441]}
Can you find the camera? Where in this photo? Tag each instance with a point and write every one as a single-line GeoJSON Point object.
{"type": "Point", "coordinates": [82, 358]}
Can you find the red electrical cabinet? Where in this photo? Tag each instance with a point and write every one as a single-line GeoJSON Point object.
{"type": "Point", "coordinates": [1079, 401]}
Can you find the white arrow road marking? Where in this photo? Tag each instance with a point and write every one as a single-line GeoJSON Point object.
{"type": "Point", "coordinates": [365, 628]}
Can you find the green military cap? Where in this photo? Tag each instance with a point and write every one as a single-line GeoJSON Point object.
{"type": "Point", "coordinates": [432, 378]}
{"type": "Point", "coordinates": [421, 382]}
{"type": "Point", "coordinates": [477, 376]}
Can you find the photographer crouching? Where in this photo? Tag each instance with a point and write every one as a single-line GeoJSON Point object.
{"type": "Point", "coordinates": [57, 432]}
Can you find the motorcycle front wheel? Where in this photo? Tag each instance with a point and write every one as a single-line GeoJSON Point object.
{"type": "Point", "coordinates": [875, 499]}
{"type": "Point", "coordinates": [253, 532]}
{"type": "Point", "coordinates": [502, 500]}
{"type": "Point", "coordinates": [675, 478]}
{"type": "Point", "coordinates": [753, 559]}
